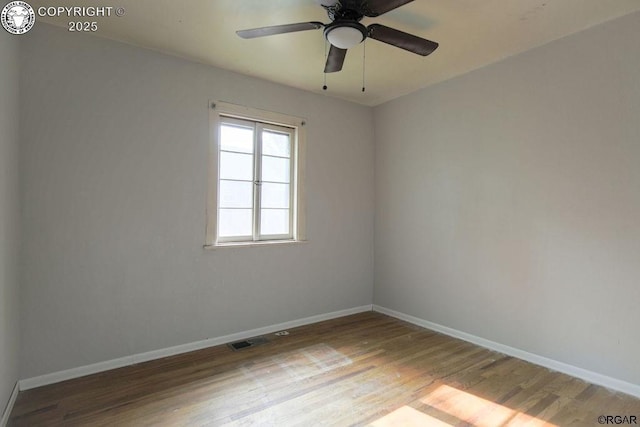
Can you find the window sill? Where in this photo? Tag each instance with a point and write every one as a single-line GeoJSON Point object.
{"type": "Point", "coordinates": [264, 243]}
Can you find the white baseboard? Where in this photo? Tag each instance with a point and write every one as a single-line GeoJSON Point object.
{"type": "Point", "coordinates": [82, 371]}
{"type": "Point", "coordinates": [9, 407]}
{"type": "Point", "coordinates": [574, 371]}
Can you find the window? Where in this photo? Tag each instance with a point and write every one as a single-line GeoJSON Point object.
{"type": "Point", "coordinates": [256, 186]}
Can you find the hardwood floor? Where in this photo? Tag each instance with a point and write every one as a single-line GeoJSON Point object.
{"type": "Point", "coordinates": [365, 369]}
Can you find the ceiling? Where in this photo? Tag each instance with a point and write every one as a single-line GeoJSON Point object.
{"type": "Point", "coordinates": [471, 33]}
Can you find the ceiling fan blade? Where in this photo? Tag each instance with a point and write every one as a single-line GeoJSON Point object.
{"type": "Point", "coordinates": [401, 39]}
{"type": "Point", "coordinates": [335, 59]}
{"type": "Point", "coordinates": [373, 8]}
{"type": "Point", "coordinates": [279, 29]}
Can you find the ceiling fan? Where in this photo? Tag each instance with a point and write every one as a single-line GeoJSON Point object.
{"type": "Point", "coordinates": [345, 30]}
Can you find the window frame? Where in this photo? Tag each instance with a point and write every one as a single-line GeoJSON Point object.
{"type": "Point", "coordinates": [220, 112]}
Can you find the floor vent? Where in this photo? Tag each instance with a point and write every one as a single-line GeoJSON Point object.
{"type": "Point", "coordinates": [251, 342]}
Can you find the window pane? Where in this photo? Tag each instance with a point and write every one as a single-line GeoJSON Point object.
{"type": "Point", "coordinates": [235, 222]}
{"type": "Point", "coordinates": [236, 194]}
{"type": "Point", "coordinates": [275, 195]}
{"type": "Point", "coordinates": [274, 221]}
{"type": "Point", "coordinates": [236, 166]}
{"type": "Point", "coordinates": [276, 144]}
{"type": "Point", "coordinates": [236, 138]}
{"type": "Point", "coordinates": [275, 169]}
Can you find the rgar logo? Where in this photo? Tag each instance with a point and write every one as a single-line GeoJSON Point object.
{"type": "Point", "coordinates": [18, 17]}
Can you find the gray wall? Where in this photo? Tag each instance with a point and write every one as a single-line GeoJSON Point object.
{"type": "Point", "coordinates": [508, 201]}
{"type": "Point", "coordinates": [9, 215]}
{"type": "Point", "coordinates": [115, 182]}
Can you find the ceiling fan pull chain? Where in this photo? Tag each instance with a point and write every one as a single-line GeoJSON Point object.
{"type": "Point", "coordinates": [324, 87]}
{"type": "Point", "coordinates": [364, 62]}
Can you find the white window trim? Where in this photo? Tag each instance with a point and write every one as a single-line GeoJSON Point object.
{"type": "Point", "coordinates": [218, 109]}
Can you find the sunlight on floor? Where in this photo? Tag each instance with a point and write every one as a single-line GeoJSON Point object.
{"type": "Point", "coordinates": [408, 417]}
{"type": "Point", "coordinates": [458, 406]}
{"type": "Point", "coordinates": [296, 365]}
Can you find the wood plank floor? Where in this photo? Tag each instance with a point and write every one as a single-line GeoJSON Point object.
{"type": "Point", "coordinates": [365, 369]}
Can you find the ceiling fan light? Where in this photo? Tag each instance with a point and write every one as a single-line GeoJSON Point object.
{"type": "Point", "coordinates": [344, 37]}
